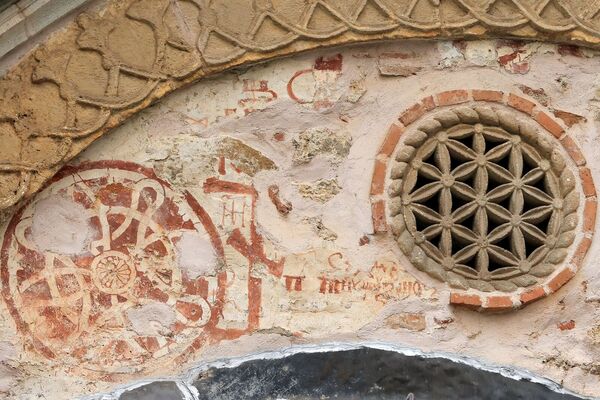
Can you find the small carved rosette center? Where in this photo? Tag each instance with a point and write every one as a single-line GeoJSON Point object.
{"type": "Point", "coordinates": [482, 200]}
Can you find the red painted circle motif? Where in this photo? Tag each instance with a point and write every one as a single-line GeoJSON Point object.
{"type": "Point", "coordinates": [122, 305]}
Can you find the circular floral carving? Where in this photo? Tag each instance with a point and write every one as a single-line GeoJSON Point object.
{"type": "Point", "coordinates": [479, 199]}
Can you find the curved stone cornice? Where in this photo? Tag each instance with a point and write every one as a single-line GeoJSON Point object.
{"type": "Point", "coordinates": [92, 76]}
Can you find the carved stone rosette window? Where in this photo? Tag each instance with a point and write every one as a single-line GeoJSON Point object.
{"type": "Point", "coordinates": [482, 200]}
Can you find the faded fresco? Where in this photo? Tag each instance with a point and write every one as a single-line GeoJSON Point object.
{"type": "Point", "coordinates": [264, 208]}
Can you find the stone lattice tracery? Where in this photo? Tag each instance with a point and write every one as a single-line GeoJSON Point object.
{"type": "Point", "coordinates": [488, 204]}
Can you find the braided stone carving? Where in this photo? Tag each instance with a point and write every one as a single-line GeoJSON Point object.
{"type": "Point", "coordinates": [98, 72]}
{"type": "Point", "coordinates": [481, 200]}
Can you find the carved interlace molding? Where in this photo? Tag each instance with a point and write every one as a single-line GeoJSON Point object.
{"type": "Point", "coordinates": [87, 79]}
{"type": "Point", "coordinates": [481, 200]}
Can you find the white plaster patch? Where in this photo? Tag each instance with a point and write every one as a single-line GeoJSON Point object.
{"type": "Point", "coordinates": [8, 377]}
{"type": "Point", "coordinates": [481, 53]}
{"type": "Point", "coordinates": [8, 374]}
{"type": "Point", "coordinates": [61, 225]}
{"type": "Point", "coordinates": [449, 54]}
{"type": "Point", "coordinates": [7, 351]}
{"type": "Point", "coordinates": [151, 319]}
{"type": "Point", "coordinates": [195, 255]}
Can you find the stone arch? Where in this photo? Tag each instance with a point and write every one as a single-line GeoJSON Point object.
{"type": "Point", "coordinates": [90, 77]}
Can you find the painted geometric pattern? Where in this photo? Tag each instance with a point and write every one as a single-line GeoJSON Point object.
{"type": "Point", "coordinates": [477, 204]}
{"type": "Point", "coordinates": [484, 199]}
{"type": "Point", "coordinates": [81, 308]}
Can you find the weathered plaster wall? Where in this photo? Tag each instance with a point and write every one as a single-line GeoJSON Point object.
{"type": "Point", "coordinates": [243, 206]}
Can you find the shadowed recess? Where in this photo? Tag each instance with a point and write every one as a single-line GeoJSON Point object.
{"type": "Point", "coordinates": [364, 373]}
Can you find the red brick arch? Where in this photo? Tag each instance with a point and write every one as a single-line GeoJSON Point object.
{"type": "Point", "coordinates": [472, 298]}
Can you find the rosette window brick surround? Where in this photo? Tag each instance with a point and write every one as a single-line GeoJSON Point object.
{"type": "Point", "coordinates": [481, 199]}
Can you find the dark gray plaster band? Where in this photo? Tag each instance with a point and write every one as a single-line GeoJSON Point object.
{"type": "Point", "coordinates": [364, 374]}
{"type": "Point", "coordinates": [348, 372]}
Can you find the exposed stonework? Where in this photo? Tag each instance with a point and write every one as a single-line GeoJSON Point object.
{"type": "Point", "coordinates": [321, 142]}
{"type": "Point", "coordinates": [98, 72]}
{"type": "Point", "coordinates": [322, 190]}
{"type": "Point", "coordinates": [22, 20]}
